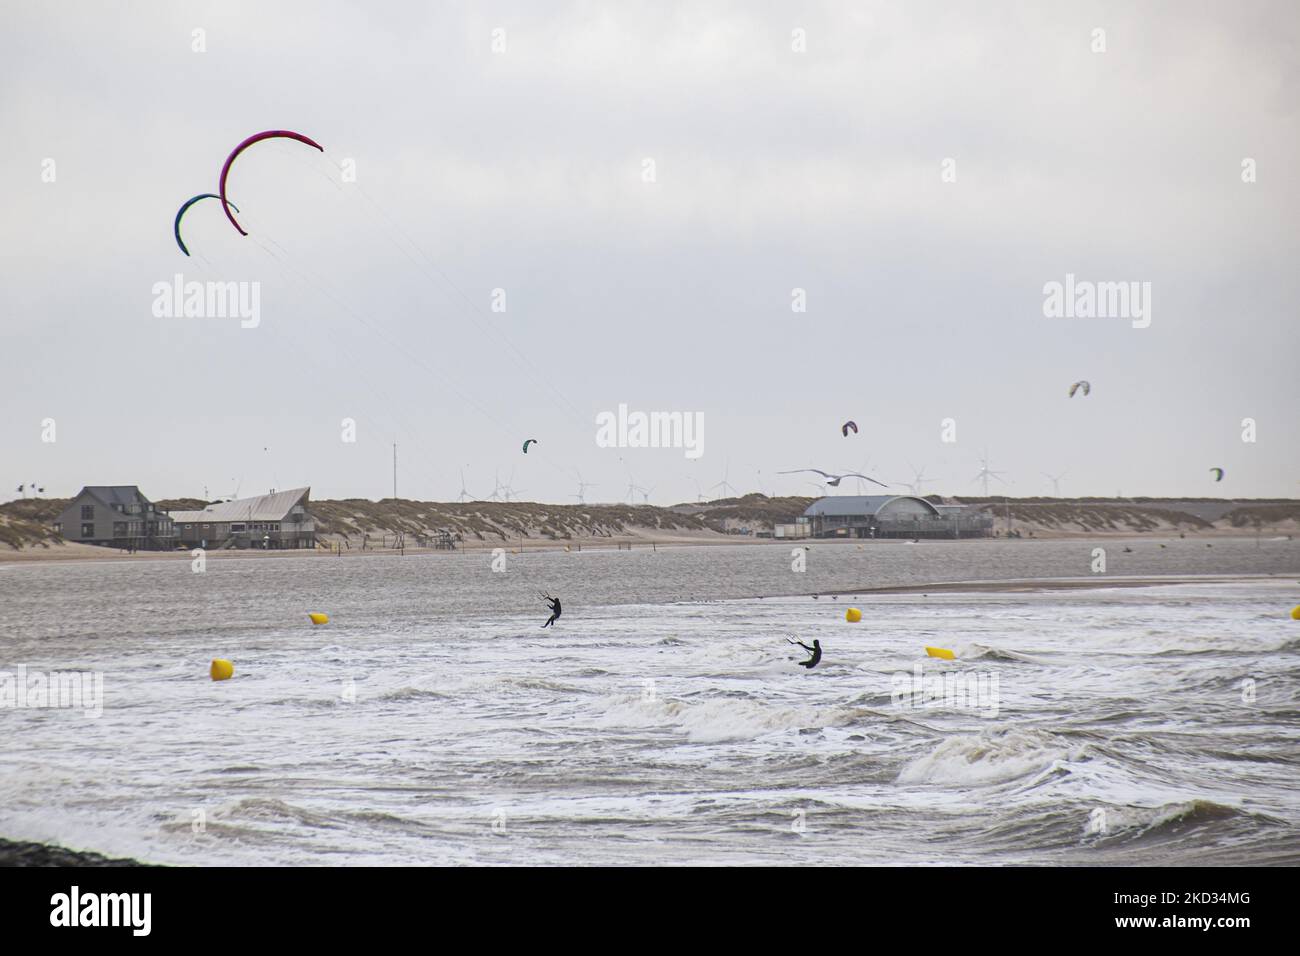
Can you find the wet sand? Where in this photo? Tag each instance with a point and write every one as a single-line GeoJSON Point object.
{"type": "Point", "coordinates": [1063, 584]}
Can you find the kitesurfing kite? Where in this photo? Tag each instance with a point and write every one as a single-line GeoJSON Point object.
{"type": "Point", "coordinates": [256, 138]}
{"type": "Point", "coordinates": [1080, 385]}
{"type": "Point", "coordinates": [849, 425]}
{"type": "Point", "coordinates": [1217, 473]}
{"type": "Point", "coordinates": [176, 226]}
{"type": "Point", "coordinates": [531, 441]}
{"type": "Point", "coordinates": [833, 480]}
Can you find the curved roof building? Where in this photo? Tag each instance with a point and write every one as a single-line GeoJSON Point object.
{"type": "Point", "coordinates": [892, 516]}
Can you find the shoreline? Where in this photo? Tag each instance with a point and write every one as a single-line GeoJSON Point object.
{"type": "Point", "coordinates": [1032, 585]}
{"type": "Point", "coordinates": [75, 552]}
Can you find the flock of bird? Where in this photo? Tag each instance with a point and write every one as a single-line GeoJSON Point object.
{"type": "Point", "coordinates": [833, 480]}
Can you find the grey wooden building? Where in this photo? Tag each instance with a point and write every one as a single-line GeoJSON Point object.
{"type": "Point", "coordinates": [276, 521]}
{"type": "Point", "coordinates": [116, 516]}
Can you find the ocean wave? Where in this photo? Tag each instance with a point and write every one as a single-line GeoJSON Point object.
{"type": "Point", "coordinates": [411, 693]}
{"type": "Point", "coordinates": [978, 651]}
{"type": "Point", "coordinates": [987, 759]}
{"type": "Point", "coordinates": [1165, 820]}
{"type": "Point", "coordinates": [270, 810]}
{"type": "Point", "coordinates": [535, 683]}
{"type": "Point", "coordinates": [717, 720]}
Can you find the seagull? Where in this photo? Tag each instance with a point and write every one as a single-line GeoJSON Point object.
{"type": "Point", "coordinates": [833, 480]}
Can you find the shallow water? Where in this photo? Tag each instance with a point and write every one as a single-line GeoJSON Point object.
{"type": "Point", "coordinates": [664, 719]}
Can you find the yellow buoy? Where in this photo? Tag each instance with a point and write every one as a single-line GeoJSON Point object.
{"type": "Point", "coordinates": [1295, 613]}
{"type": "Point", "coordinates": [943, 652]}
{"type": "Point", "coordinates": [221, 670]}
{"type": "Point", "coordinates": [853, 615]}
{"type": "Point", "coordinates": [317, 618]}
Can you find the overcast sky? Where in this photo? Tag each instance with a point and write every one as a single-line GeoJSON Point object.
{"type": "Point", "coordinates": [775, 169]}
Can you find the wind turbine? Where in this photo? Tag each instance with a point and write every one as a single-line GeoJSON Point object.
{"type": "Point", "coordinates": [918, 482]}
{"type": "Point", "coordinates": [582, 489]}
{"type": "Point", "coordinates": [1056, 483]}
{"type": "Point", "coordinates": [464, 495]}
{"type": "Point", "coordinates": [632, 486]}
{"type": "Point", "coordinates": [508, 489]}
{"type": "Point", "coordinates": [986, 473]}
{"type": "Point", "coordinates": [724, 485]}
{"type": "Point", "coordinates": [866, 464]}
{"type": "Point", "coordinates": [496, 486]}
{"type": "Point", "coordinates": [699, 492]}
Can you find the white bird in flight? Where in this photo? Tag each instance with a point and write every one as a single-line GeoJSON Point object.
{"type": "Point", "coordinates": [833, 480]}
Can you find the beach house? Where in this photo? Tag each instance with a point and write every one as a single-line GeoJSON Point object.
{"type": "Point", "coordinates": [273, 521]}
{"type": "Point", "coordinates": [116, 516]}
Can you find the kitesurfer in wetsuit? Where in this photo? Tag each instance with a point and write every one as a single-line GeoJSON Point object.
{"type": "Point", "coordinates": [554, 605]}
{"type": "Point", "coordinates": [815, 651]}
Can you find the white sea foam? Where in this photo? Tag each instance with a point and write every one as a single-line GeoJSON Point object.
{"type": "Point", "coordinates": [984, 759]}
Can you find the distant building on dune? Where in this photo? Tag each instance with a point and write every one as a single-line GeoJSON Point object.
{"type": "Point", "coordinates": [116, 516]}
{"type": "Point", "coordinates": [276, 521]}
{"type": "Point", "coordinates": [891, 516]}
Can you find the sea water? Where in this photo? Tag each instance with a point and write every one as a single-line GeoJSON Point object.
{"type": "Point", "coordinates": [664, 719]}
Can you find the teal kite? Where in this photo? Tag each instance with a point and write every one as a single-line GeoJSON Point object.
{"type": "Point", "coordinates": [176, 226]}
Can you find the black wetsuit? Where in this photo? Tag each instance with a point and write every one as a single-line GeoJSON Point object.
{"type": "Point", "coordinates": [815, 651]}
{"type": "Point", "coordinates": [554, 605]}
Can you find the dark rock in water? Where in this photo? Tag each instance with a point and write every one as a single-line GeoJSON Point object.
{"type": "Point", "coordinates": [42, 854]}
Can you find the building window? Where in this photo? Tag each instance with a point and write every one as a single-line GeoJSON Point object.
{"type": "Point", "coordinates": [236, 528]}
{"type": "Point", "coordinates": [119, 529]}
{"type": "Point", "coordinates": [87, 530]}
{"type": "Point", "coordinates": [87, 512]}
{"type": "Point", "coordinates": [58, 527]}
